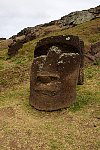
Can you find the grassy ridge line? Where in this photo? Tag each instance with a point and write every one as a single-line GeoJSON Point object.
{"type": "Point", "coordinates": [89, 32]}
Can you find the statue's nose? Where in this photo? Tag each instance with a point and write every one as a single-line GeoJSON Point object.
{"type": "Point", "coordinates": [50, 64]}
{"type": "Point", "coordinates": [47, 78]}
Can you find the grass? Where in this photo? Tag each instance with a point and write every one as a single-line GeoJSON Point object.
{"type": "Point", "coordinates": [24, 128]}
{"type": "Point", "coordinates": [88, 32]}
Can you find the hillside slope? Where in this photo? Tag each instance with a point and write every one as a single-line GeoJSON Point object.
{"type": "Point", "coordinates": [24, 128]}
{"type": "Point", "coordinates": [16, 69]}
{"type": "Point", "coordinates": [71, 20]}
{"type": "Point", "coordinates": [89, 32]}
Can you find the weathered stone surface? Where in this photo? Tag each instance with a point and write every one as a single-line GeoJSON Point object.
{"type": "Point", "coordinates": [18, 43]}
{"type": "Point", "coordinates": [93, 53]}
{"type": "Point", "coordinates": [95, 48]}
{"type": "Point", "coordinates": [53, 86]}
{"type": "Point", "coordinates": [76, 18]}
{"type": "Point", "coordinates": [13, 47]}
{"type": "Point", "coordinates": [79, 17]}
{"type": "Point", "coordinates": [20, 38]}
{"type": "Point", "coordinates": [67, 21]}
{"type": "Point", "coordinates": [97, 56]}
{"type": "Point", "coordinates": [95, 10]}
{"type": "Point", "coordinates": [68, 44]}
{"type": "Point", "coordinates": [2, 39]}
{"type": "Point", "coordinates": [55, 72]}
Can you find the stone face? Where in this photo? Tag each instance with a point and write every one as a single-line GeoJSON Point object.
{"type": "Point", "coordinates": [68, 44]}
{"type": "Point", "coordinates": [54, 75]}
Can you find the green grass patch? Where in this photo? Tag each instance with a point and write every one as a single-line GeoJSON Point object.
{"type": "Point", "coordinates": [89, 91]}
{"type": "Point", "coordinates": [84, 99]}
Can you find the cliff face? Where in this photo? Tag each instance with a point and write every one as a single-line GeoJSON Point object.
{"type": "Point", "coordinates": [68, 21]}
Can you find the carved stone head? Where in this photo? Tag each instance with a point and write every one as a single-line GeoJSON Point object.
{"type": "Point", "coordinates": [54, 76]}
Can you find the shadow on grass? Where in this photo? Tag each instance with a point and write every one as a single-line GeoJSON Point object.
{"type": "Point", "coordinates": [84, 99]}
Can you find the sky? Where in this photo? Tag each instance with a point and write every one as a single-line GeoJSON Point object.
{"type": "Point", "coordinates": [16, 15]}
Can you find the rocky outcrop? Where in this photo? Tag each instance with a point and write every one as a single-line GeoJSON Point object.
{"type": "Point", "coordinates": [94, 53]}
{"type": "Point", "coordinates": [68, 21]}
{"type": "Point", "coordinates": [78, 17]}
{"type": "Point", "coordinates": [2, 39]}
{"type": "Point", "coordinates": [4, 43]}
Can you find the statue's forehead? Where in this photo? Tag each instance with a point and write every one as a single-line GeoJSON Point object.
{"type": "Point", "coordinates": [66, 43]}
{"type": "Point", "coordinates": [55, 59]}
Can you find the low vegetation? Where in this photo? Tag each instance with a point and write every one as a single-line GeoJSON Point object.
{"type": "Point", "coordinates": [24, 128]}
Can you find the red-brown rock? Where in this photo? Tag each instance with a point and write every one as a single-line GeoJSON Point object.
{"type": "Point", "coordinates": [55, 72]}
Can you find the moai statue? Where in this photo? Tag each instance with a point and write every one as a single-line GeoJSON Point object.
{"type": "Point", "coordinates": [55, 72]}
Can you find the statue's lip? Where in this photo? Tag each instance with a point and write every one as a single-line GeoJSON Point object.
{"type": "Point", "coordinates": [47, 92]}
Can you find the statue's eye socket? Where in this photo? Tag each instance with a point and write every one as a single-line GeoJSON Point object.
{"type": "Point", "coordinates": [43, 48]}
{"type": "Point", "coordinates": [46, 79]}
{"type": "Point", "coordinates": [40, 51]}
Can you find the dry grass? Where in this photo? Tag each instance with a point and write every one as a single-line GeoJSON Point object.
{"type": "Point", "coordinates": [4, 44]}
{"type": "Point", "coordinates": [25, 128]}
